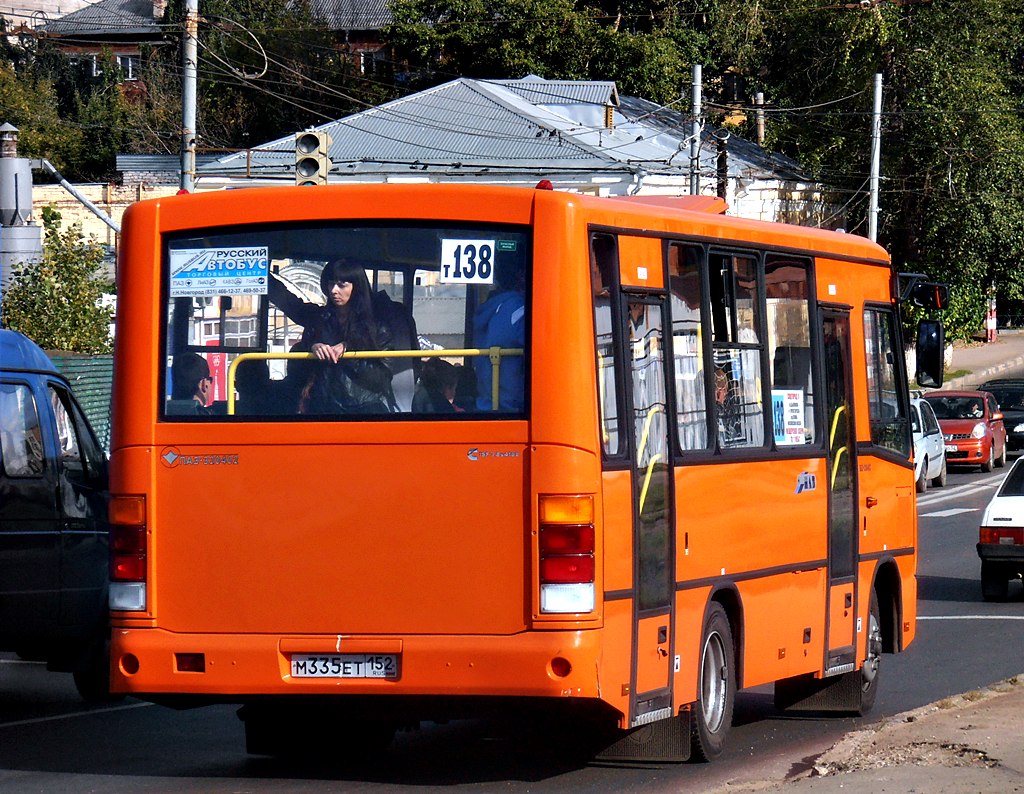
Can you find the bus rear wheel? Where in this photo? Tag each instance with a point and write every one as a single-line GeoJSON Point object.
{"type": "Point", "coordinates": [716, 687]}
{"type": "Point", "coordinates": [873, 661]}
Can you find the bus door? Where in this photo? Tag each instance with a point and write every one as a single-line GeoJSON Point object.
{"type": "Point", "coordinates": [842, 504]}
{"type": "Point", "coordinates": [653, 548]}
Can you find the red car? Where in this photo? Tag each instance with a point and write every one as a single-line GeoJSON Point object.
{"type": "Point", "coordinates": [972, 427]}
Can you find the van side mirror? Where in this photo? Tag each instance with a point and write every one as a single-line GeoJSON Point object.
{"type": "Point", "coordinates": [931, 347]}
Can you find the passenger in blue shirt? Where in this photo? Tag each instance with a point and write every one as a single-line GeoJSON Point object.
{"type": "Point", "coordinates": [501, 321]}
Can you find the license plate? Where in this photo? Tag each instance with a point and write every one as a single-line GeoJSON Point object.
{"type": "Point", "coordinates": [345, 665]}
{"type": "Point", "coordinates": [951, 448]}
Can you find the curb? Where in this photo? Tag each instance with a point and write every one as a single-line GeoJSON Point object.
{"type": "Point", "coordinates": [976, 378]}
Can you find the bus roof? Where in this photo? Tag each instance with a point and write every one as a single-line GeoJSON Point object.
{"type": "Point", "coordinates": [18, 352]}
{"type": "Point", "coordinates": [476, 202]}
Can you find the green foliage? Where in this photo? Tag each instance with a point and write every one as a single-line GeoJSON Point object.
{"type": "Point", "coordinates": [30, 104]}
{"type": "Point", "coordinates": [645, 47]}
{"type": "Point", "coordinates": [56, 302]}
{"type": "Point", "coordinates": [269, 68]}
{"type": "Point", "coordinates": [953, 77]}
{"type": "Point", "coordinates": [952, 136]}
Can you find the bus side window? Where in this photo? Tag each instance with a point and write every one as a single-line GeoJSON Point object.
{"type": "Point", "coordinates": [603, 256]}
{"type": "Point", "coordinates": [887, 403]}
{"type": "Point", "coordinates": [789, 350]}
{"type": "Point", "coordinates": [735, 315]}
{"type": "Point", "coordinates": [684, 265]}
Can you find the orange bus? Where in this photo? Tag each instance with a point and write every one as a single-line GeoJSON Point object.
{"type": "Point", "coordinates": [393, 453]}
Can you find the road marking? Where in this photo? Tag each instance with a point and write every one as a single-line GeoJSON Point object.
{"type": "Point", "coordinates": [54, 718]}
{"type": "Point", "coordinates": [959, 492]}
{"type": "Point", "coordinates": [951, 512]}
{"type": "Point", "coordinates": [970, 617]}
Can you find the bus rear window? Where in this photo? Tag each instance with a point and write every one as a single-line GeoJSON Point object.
{"type": "Point", "coordinates": [344, 321]}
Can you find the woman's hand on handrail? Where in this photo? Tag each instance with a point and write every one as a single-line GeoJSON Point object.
{"type": "Point", "coordinates": [330, 353]}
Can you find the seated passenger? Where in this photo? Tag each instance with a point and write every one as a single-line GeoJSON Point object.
{"type": "Point", "coordinates": [435, 393]}
{"type": "Point", "coordinates": [191, 386]}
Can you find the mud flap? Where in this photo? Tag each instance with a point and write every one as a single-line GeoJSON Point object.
{"type": "Point", "coordinates": [840, 693]}
{"type": "Point", "coordinates": [663, 741]}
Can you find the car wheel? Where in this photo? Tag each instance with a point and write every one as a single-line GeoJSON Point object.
{"type": "Point", "coordinates": [940, 479]}
{"type": "Point", "coordinates": [995, 584]}
{"type": "Point", "coordinates": [989, 464]}
{"type": "Point", "coordinates": [922, 481]}
{"type": "Point", "coordinates": [1001, 460]}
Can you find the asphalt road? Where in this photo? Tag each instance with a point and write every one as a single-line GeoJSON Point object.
{"type": "Point", "coordinates": [50, 741]}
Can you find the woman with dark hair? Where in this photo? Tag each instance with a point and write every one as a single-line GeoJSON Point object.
{"type": "Point", "coordinates": [346, 323]}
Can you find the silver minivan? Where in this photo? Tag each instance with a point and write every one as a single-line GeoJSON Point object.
{"type": "Point", "coordinates": [929, 449]}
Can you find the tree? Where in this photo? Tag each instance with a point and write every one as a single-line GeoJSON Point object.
{"type": "Point", "coordinates": [56, 302]}
{"type": "Point", "coordinates": [952, 138]}
{"type": "Point", "coordinates": [30, 104]}
{"type": "Point", "coordinates": [268, 68]}
{"type": "Point", "coordinates": [647, 48]}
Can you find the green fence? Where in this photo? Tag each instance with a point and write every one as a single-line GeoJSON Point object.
{"type": "Point", "coordinates": [91, 379]}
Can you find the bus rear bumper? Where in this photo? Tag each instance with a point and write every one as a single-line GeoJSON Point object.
{"type": "Point", "coordinates": [234, 668]}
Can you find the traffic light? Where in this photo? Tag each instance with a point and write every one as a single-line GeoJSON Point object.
{"type": "Point", "coordinates": [312, 163]}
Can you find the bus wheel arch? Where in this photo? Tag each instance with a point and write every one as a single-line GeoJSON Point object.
{"type": "Point", "coordinates": [886, 590]}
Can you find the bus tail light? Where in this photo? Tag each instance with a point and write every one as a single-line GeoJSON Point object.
{"type": "Point", "coordinates": [128, 547]}
{"type": "Point", "coordinates": [567, 563]}
{"type": "Point", "coordinates": [1004, 536]}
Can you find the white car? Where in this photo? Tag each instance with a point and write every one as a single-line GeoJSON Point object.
{"type": "Point", "coordinates": [1001, 536]}
{"type": "Point", "coordinates": [929, 450]}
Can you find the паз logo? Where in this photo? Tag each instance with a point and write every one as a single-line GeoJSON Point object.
{"type": "Point", "coordinates": [169, 456]}
{"type": "Point", "coordinates": [806, 481]}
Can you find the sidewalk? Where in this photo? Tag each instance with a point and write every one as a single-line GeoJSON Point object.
{"type": "Point", "coordinates": [964, 744]}
{"type": "Point", "coordinates": [987, 360]}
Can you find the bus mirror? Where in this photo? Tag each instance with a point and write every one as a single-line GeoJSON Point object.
{"type": "Point", "coordinates": [929, 295]}
{"type": "Point", "coordinates": [931, 348]}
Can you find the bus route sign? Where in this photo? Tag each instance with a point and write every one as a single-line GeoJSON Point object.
{"type": "Point", "coordinates": [208, 272]}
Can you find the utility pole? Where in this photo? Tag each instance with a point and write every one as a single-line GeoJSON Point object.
{"type": "Point", "coordinates": [759, 103]}
{"type": "Point", "coordinates": [876, 160]}
{"type": "Point", "coordinates": [695, 133]}
{"type": "Point", "coordinates": [190, 57]}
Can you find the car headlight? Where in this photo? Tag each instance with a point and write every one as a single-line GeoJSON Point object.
{"type": "Point", "coordinates": [1019, 428]}
{"type": "Point", "coordinates": [978, 431]}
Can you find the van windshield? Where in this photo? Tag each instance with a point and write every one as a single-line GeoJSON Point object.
{"type": "Point", "coordinates": [346, 321]}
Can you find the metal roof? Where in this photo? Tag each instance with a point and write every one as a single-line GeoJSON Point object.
{"type": "Point", "coordinates": [539, 91]}
{"type": "Point", "coordinates": [475, 128]}
{"type": "Point", "coordinates": [352, 14]}
{"type": "Point", "coordinates": [135, 17]}
{"type": "Point", "coordinates": [106, 18]}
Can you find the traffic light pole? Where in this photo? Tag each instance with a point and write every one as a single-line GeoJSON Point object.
{"type": "Point", "coordinates": [190, 57]}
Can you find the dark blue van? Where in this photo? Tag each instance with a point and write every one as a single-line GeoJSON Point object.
{"type": "Point", "coordinates": [53, 521]}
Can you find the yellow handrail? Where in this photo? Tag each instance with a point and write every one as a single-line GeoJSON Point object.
{"type": "Point", "coordinates": [654, 409]}
{"type": "Point", "coordinates": [835, 467]}
{"type": "Point", "coordinates": [835, 425]}
{"type": "Point", "coordinates": [647, 480]}
{"type": "Point", "coordinates": [495, 354]}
